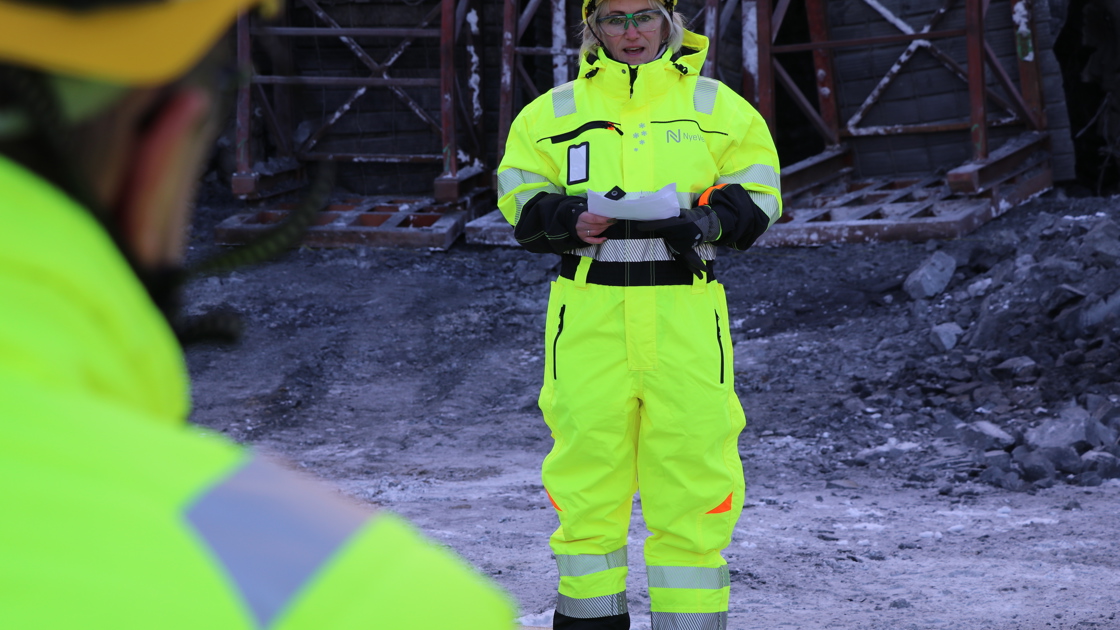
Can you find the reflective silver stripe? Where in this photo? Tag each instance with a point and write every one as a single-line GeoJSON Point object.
{"type": "Point", "coordinates": [511, 178]}
{"type": "Point", "coordinates": [767, 203]}
{"type": "Point", "coordinates": [704, 97]}
{"type": "Point", "coordinates": [586, 564]}
{"type": "Point", "coordinates": [564, 99]}
{"type": "Point", "coordinates": [689, 621]}
{"type": "Point", "coordinates": [688, 577]}
{"type": "Point", "coordinates": [523, 197]}
{"type": "Point", "coordinates": [637, 250]}
{"type": "Point", "coordinates": [754, 174]}
{"type": "Point", "coordinates": [591, 607]}
{"type": "Point", "coordinates": [687, 199]}
{"type": "Point", "coordinates": [271, 530]}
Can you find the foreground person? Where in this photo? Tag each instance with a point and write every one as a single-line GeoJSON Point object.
{"type": "Point", "coordinates": [116, 514]}
{"type": "Point", "coordinates": [639, 386]}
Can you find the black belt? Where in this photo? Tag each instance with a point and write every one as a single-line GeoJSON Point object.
{"type": "Point", "coordinates": [634, 274]}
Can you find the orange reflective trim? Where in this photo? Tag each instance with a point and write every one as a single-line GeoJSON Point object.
{"type": "Point", "coordinates": [706, 196]}
{"type": "Point", "coordinates": [722, 507]}
{"type": "Point", "coordinates": [553, 501]}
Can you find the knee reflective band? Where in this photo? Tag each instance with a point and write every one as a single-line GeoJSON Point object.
{"type": "Point", "coordinates": [591, 607]}
{"type": "Point", "coordinates": [584, 574]}
{"type": "Point", "coordinates": [681, 590]}
{"type": "Point", "coordinates": [689, 621]}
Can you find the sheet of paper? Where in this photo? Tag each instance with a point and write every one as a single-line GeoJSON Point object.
{"type": "Point", "coordinates": [662, 204]}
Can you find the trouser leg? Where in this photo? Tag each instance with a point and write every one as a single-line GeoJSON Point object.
{"type": "Point", "coordinates": [590, 474]}
{"type": "Point", "coordinates": [689, 470]}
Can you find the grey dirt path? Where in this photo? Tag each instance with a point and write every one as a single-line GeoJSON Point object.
{"type": "Point", "coordinates": [408, 380]}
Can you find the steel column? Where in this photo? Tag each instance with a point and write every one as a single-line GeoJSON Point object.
{"type": "Point", "coordinates": [243, 181]}
{"type": "Point", "coordinates": [974, 24]}
{"type": "Point", "coordinates": [822, 63]}
{"type": "Point", "coordinates": [505, 91]}
{"type": "Point", "coordinates": [765, 64]}
{"type": "Point", "coordinates": [447, 88]}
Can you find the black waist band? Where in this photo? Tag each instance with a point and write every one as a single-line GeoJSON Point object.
{"type": "Point", "coordinates": [633, 274]}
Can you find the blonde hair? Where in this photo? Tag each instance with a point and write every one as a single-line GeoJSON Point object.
{"type": "Point", "coordinates": [589, 43]}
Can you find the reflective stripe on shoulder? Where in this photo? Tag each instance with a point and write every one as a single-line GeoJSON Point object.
{"type": "Point", "coordinates": [591, 607]}
{"type": "Point", "coordinates": [564, 99]}
{"type": "Point", "coordinates": [271, 530]}
{"type": "Point", "coordinates": [587, 563]}
{"type": "Point", "coordinates": [704, 97]}
{"type": "Point", "coordinates": [689, 577]}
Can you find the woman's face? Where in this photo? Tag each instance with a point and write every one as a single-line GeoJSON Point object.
{"type": "Point", "coordinates": [633, 46]}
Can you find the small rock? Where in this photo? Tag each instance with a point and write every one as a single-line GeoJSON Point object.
{"type": "Point", "coordinates": [841, 484]}
{"type": "Point", "coordinates": [1106, 465]}
{"type": "Point", "coordinates": [944, 337]}
{"type": "Point", "coordinates": [985, 436]}
{"type": "Point", "coordinates": [900, 603]}
{"type": "Point", "coordinates": [998, 459]}
{"type": "Point", "coordinates": [1019, 368]}
{"type": "Point", "coordinates": [1064, 458]}
{"type": "Point", "coordinates": [1036, 467]}
{"type": "Point", "coordinates": [931, 277]}
{"type": "Point", "coordinates": [1074, 428]}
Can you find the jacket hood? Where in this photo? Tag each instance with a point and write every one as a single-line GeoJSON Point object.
{"type": "Point", "coordinates": [688, 60]}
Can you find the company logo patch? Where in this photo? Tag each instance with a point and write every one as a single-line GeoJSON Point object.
{"type": "Point", "coordinates": [679, 135]}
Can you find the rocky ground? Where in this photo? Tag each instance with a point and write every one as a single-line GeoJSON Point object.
{"type": "Point", "coordinates": [932, 437]}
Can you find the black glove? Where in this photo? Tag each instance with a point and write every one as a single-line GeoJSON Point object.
{"type": "Point", "coordinates": [684, 232]}
{"type": "Point", "coordinates": [548, 223]}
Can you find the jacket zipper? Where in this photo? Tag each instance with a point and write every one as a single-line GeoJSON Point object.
{"type": "Point", "coordinates": [719, 342]}
{"type": "Point", "coordinates": [560, 329]}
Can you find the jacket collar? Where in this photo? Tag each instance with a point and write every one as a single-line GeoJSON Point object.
{"type": "Point", "coordinates": [651, 79]}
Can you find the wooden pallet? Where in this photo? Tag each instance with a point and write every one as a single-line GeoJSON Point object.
{"type": "Point", "coordinates": [409, 223]}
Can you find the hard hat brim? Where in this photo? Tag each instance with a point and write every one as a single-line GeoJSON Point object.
{"type": "Point", "coordinates": [144, 44]}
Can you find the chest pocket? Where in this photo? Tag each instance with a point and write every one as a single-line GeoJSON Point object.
{"type": "Point", "coordinates": [578, 160]}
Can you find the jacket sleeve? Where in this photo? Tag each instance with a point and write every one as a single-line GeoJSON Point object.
{"type": "Point", "coordinates": [530, 197]}
{"type": "Point", "coordinates": [752, 199]}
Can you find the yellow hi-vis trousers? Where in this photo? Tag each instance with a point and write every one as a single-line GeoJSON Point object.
{"type": "Point", "coordinates": [639, 395]}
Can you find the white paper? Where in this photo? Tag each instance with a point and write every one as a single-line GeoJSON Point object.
{"type": "Point", "coordinates": [662, 204]}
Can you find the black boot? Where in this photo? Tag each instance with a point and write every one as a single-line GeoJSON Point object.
{"type": "Point", "coordinates": [614, 622]}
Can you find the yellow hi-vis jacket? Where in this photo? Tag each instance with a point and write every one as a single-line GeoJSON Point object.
{"type": "Point", "coordinates": [638, 128]}
{"type": "Point", "coordinates": [117, 515]}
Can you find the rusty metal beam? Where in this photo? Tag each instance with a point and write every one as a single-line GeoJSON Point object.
{"type": "Point", "coordinates": [748, 15]}
{"type": "Point", "coordinates": [978, 113]}
{"type": "Point", "coordinates": [1020, 106]}
{"type": "Point", "coordinates": [803, 103]}
{"type": "Point", "coordinates": [766, 105]}
{"type": "Point", "coordinates": [711, 31]}
{"type": "Point", "coordinates": [447, 89]}
{"type": "Point", "coordinates": [377, 158]}
{"type": "Point", "coordinates": [282, 141]}
{"type": "Point", "coordinates": [244, 180]}
{"type": "Point", "coordinates": [344, 31]}
{"type": "Point", "coordinates": [870, 41]}
{"type": "Point", "coordinates": [979, 175]}
{"type": "Point", "coordinates": [822, 64]}
{"type": "Point", "coordinates": [1029, 74]}
{"type": "Point", "coordinates": [505, 90]}
{"type": "Point", "coordinates": [345, 81]}
{"type": "Point", "coordinates": [815, 171]}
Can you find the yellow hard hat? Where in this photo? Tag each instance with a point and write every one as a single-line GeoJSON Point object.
{"type": "Point", "coordinates": [134, 43]}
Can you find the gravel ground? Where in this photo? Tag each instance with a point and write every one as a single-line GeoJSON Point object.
{"type": "Point", "coordinates": [876, 495]}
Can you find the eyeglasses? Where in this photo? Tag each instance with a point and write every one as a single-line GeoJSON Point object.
{"type": "Point", "coordinates": [644, 21]}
